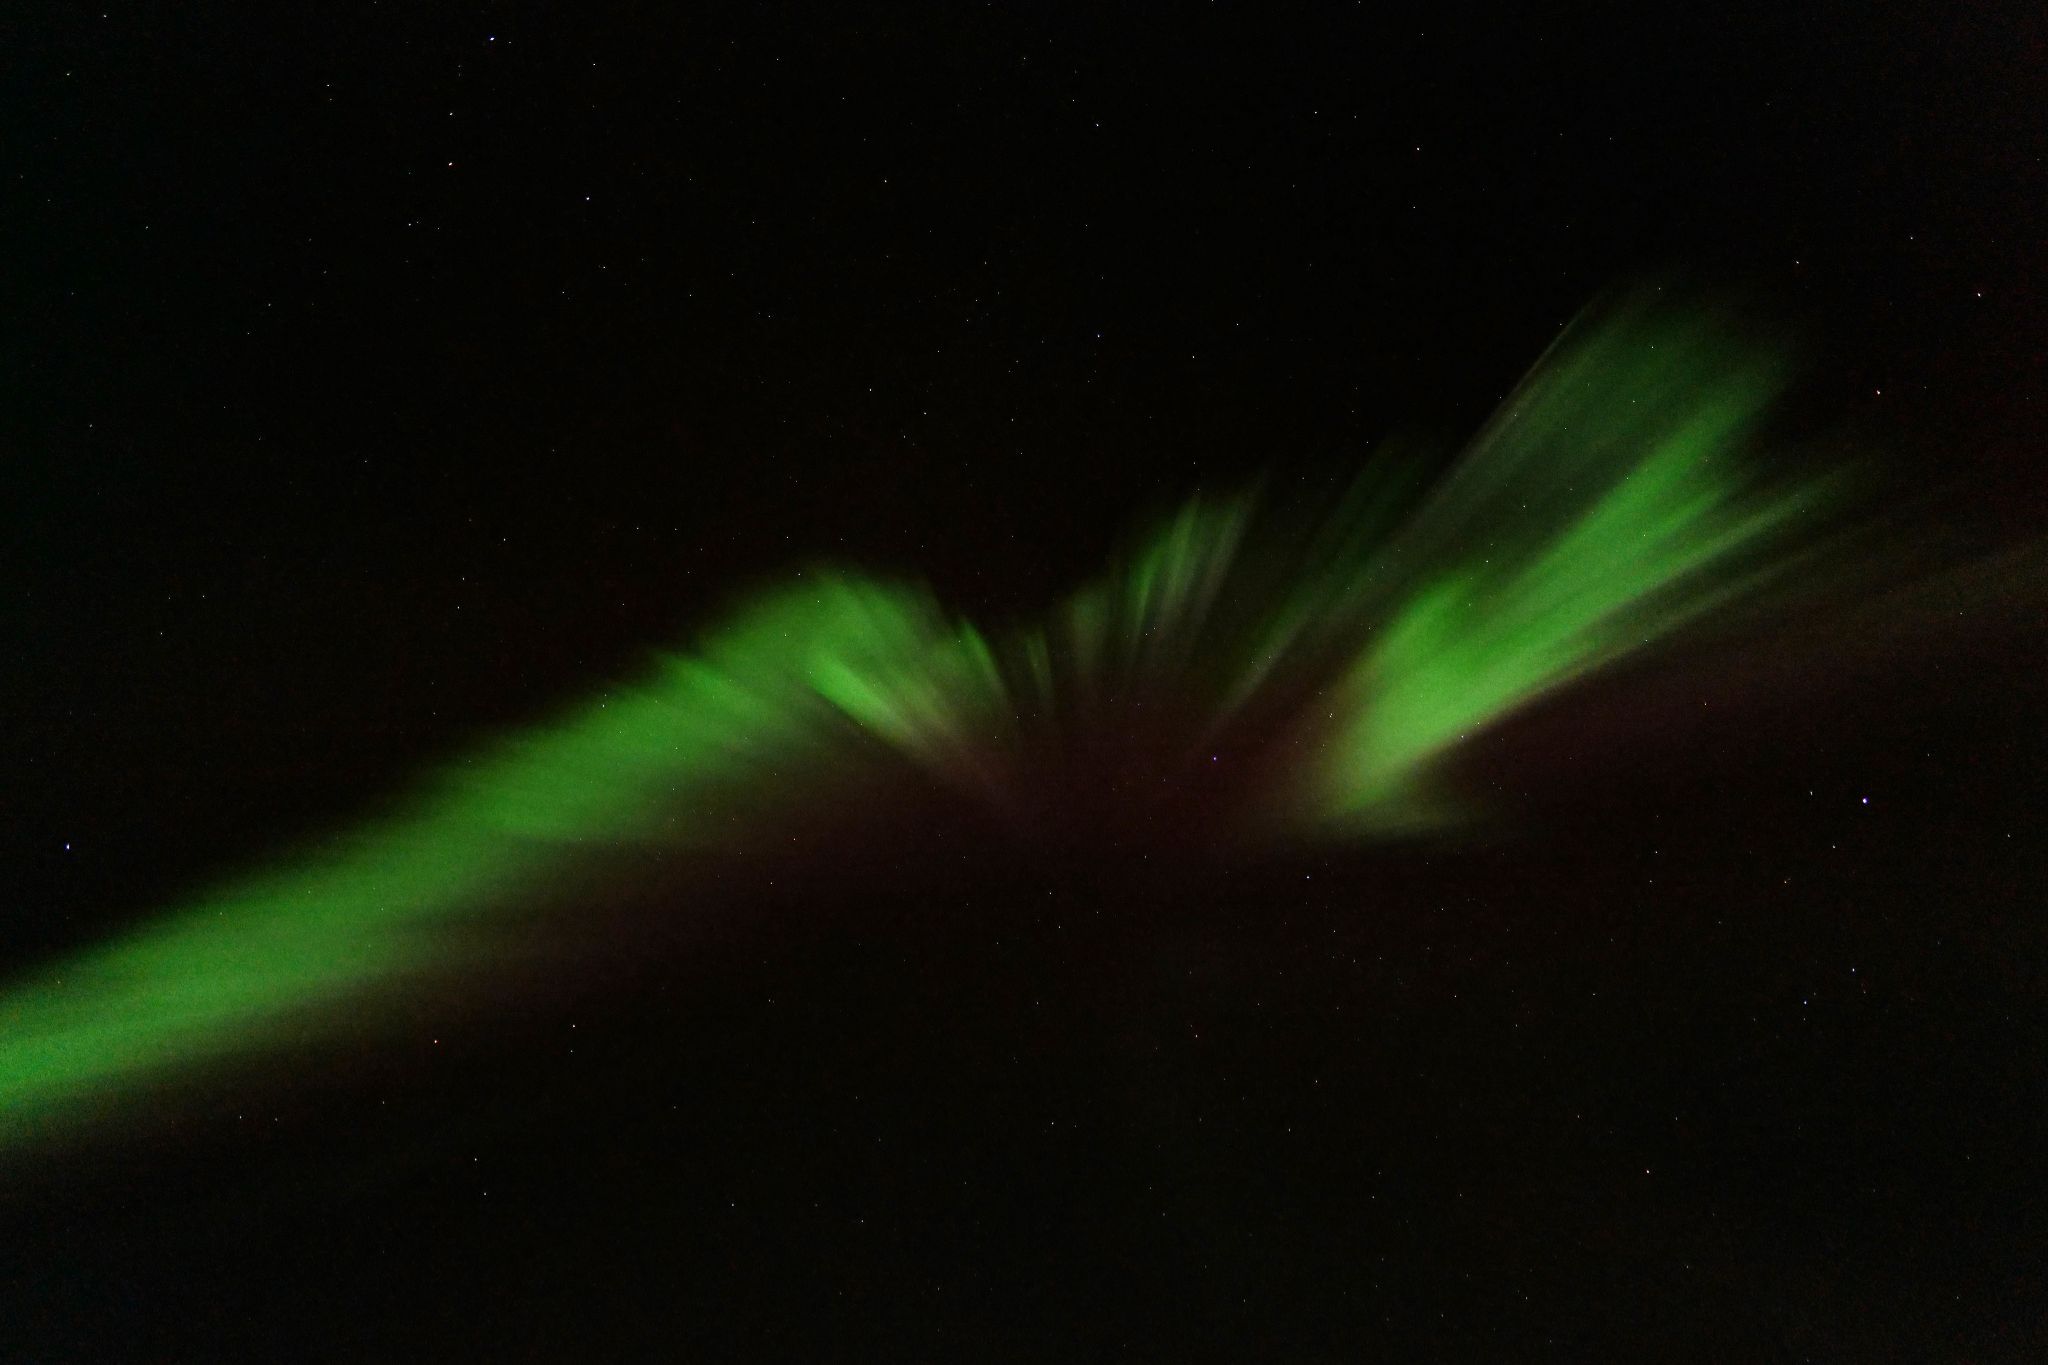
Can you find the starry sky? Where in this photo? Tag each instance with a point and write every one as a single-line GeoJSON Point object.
{"type": "Point", "coordinates": [383, 377]}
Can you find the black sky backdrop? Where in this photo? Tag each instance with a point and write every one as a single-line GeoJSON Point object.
{"type": "Point", "coordinates": [380, 376]}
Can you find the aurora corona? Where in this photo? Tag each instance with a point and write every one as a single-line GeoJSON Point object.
{"type": "Point", "coordinates": [1607, 504]}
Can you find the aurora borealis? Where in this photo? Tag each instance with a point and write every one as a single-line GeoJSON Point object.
{"type": "Point", "coordinates": [1614, 499]}
{"type": "Point", "coordinates": [1022, 682]}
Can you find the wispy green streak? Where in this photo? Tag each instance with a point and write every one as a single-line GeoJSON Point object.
{"type": "Point", "coordinates": [1604, 508]}
{"type": "Point", "coordinates": [782, 696]}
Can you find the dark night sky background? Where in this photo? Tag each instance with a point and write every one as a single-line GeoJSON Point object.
{"type": "Point", "coordinates": [380, 376]}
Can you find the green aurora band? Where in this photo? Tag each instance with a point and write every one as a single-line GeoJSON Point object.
{"type": "Point", "coordinates": [1604, 507]}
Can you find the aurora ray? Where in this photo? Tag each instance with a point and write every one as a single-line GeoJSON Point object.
{"type": "Point", "coordinates": [1603, 508]}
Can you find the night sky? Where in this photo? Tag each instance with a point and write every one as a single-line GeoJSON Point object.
{"type": "Point", "coordinates": [384, 378]}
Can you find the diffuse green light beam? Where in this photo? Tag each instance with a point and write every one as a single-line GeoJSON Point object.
{"type": "Point", "coordinates": [1513, 610]}
{"type": "Point", "coordinates": [789, 687]}
{"type": "Point", "coordinates": [1600, 511]}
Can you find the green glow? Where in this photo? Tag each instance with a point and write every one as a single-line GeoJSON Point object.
{"type": "Point", "coordinates": [1600, 511]}
{"type": "Point", "coordinates": [1631, 434]}
{"type": "Point", "coordinates": [789, 687]}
